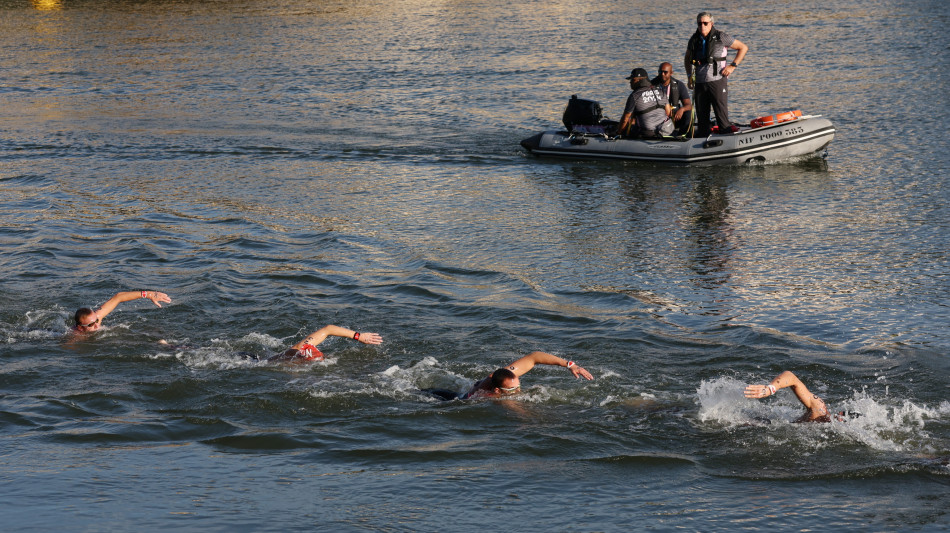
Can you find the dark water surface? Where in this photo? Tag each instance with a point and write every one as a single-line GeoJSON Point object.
{"type": "Point", "coordinates": [278, 166]}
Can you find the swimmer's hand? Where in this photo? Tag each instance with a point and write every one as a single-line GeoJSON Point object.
{"type": "Point", "coordinates": [157, 297]}
{"type": "Point", "coordinates": [759, 391]}
{"type": "Point", "coordinates": [370, 338]}
{"type": "Point", "coordinates": [578, 371]}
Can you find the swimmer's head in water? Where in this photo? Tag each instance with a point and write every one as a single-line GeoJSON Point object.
{"type": "Point", "coordinates": [87, 320]}
{"type": "Point", "coordinates": [844, 416]}
{"type": "Point", "coordinates": [307, 352]}
{"type": "Point", "coordinates": [310, 353]}
{"type": "Point", "coordinates": [505, 381]}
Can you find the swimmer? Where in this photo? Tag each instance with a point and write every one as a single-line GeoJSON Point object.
{"type": "Point", "coordinates": [88, 320]}
{"type": "Point", "coordinates": [306, 350]}
{"type": "Point", "coordinates": [505, 381]}
{"type": "Point", "coordinates": [817, 410]}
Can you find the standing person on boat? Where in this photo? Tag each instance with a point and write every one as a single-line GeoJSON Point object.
{"type": "Point", "coordinates": [647, 113]}
{"type": "Point", "coordinates": [306, 349]}
{"type": "Point", "coordinates": [677, 94]}
{"type": "Point", "coordinates": [707, 51]}
{"type": "Point", "coordinates": [507, 380]}
{"type": "Point", "coordinates": [89, 320]}
{"type": "Point", "coordinates": [817, 410]}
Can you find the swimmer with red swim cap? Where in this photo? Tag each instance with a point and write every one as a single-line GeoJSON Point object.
{"type": "Point", "coordinates": [306, 350]}
{"type": "Point", "coordinates": [89, 320]}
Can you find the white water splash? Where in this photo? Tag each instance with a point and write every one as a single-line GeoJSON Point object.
{"type": "Point", "coordinates": [890, 424]}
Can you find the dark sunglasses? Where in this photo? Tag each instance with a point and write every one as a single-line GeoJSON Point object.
{"type": "Point", "coordinates": [666, 72]}
{"type": "Point", "coordinates": [701, 23]}
{"type": "Point", "coordinates": [91, 324]}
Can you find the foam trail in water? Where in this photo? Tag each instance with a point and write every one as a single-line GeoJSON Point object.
{"type": "Point", "coordinates": [249, 351]}
{"type": "Point", "coordinates": [422, 375]}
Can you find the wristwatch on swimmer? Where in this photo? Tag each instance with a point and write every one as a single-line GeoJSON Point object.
{"type": "Point", "coordinates": [733, 64]}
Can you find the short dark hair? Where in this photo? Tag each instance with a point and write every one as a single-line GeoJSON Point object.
{"type": "Point", "coordinates": [500, 376]}
{"type": "Point", "coordinates": [81, 312]}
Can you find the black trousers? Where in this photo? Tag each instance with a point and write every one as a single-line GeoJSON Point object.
{"type": "Point", "coordinates": [712, 94]}
{"type": "Point", "coordinates": [682, 125]}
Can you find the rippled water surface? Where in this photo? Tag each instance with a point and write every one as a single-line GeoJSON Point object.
{"type": "Point", "coordinates": [279, 166]}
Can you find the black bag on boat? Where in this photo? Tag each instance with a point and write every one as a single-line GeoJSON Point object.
{"type": "Point", "coordinates": [582, 113]}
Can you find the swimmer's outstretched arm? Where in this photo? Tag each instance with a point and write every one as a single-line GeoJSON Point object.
{"type": "Point", "coordinates": [526, 363]}
{"type": "Point", "coordinates": [156, 297]}
{"type": "Point", "coordinates": [787, 379]}
{"type": "Point", "coordinates": [321, 334]}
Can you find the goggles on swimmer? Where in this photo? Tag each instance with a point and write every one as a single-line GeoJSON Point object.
{"type": "Point", "coordinates": [91, 324]}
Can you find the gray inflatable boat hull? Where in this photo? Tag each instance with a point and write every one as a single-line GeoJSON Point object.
{"type": "Point", "coordinates": [804, 136]}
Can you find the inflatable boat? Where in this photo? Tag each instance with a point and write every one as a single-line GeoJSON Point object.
{"type": "Point", "coordinates": [777, 137]}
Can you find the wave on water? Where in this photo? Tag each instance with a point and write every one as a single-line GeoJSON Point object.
{"type": "Point", "coordinates": [33, 326]}
{"type": "Point", "coordinates": [885, 424]}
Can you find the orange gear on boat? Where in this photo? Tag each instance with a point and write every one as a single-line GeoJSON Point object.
{"type": "Point", "coordinates": [770, 120]}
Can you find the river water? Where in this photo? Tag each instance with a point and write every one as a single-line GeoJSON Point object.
{"type": "Point", "coordinates": [278, 166]}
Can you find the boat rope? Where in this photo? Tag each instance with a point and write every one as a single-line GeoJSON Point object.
{"type": "Point", "coordinates": [692, 112]}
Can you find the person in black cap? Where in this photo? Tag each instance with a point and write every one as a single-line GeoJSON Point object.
{"type": "Point", "coordinates": [647, 113]}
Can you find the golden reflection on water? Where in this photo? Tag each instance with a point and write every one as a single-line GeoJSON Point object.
{"type": "Point", "coordinates": [47, 5]}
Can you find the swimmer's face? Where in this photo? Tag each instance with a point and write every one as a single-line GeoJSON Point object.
{"type": "Point", "coordinates": [510, 386]}
{"type": "Point", "coordinates": [89, 323]}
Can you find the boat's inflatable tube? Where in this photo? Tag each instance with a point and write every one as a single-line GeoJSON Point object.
{"type": "Point", "coordinates": [795, 137]}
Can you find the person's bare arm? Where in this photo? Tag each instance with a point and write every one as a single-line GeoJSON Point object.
{"type": "Point", "coordinates": [321, 334]}
{"type": "Point", "coordinates": [626, 122]}
{"type": "Point", "coordinates": [156, 297]}
{"type": "Point", "coordinates": [787, 379]}
{"type": "Point", "coordinates": [740, 55]}
{"type": "Point", "coordinates": [526, 363]}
